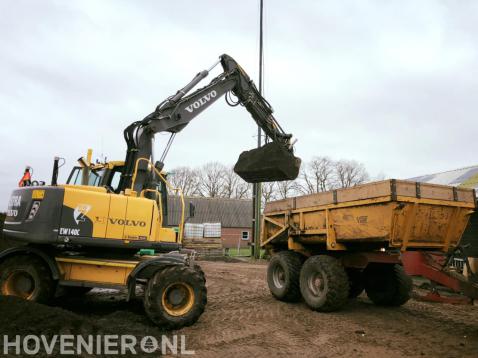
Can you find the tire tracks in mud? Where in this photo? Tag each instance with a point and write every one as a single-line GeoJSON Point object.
{"type": "Point", "coordinates": [243, 320]}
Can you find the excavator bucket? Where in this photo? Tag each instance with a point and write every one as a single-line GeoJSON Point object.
{"type": "Point", "coordinates": [271, 162]}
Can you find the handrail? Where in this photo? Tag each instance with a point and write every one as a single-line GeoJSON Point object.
{"type": "Point", "coordinates": [176, 191]}
{"type": "Point", "coordinates": [159, 202]}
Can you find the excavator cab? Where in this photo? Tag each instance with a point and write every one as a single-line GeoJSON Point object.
{"type": "Point", "coordinates": [106, 174]}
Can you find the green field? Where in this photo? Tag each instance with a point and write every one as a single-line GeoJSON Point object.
{"type": "Point", "coordinates": [242, 252]}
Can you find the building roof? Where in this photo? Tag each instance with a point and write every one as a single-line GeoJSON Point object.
{"type": "Point", "coordinates": [463, 177]}
{"type": "Point", "coordinates": [229, 212]}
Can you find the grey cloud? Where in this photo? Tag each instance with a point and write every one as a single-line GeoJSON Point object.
{"type": "Point", "coordinates": [391, 84]}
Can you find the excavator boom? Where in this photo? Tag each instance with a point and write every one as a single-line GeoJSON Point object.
{"type": "Point", "coordinates": [273, 162]}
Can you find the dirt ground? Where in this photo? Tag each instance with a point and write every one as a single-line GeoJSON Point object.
{"type": "Point", "coordinates": [243, 320]}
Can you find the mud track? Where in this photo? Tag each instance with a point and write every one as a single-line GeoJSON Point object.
{"type": "Point", "coordinates": [243, 320]}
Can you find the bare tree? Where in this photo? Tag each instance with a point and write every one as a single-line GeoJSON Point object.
{"type": "Point", "coordinates": [243, 190]}
{"type": "Point", "coordinates": [349, 173]}
{"type": "Point", "coordinates": [268, 192]}
{"type": "Point", "coordinates": [211, 182]}
{"type": "Point", "coordinates": [186, 179]}
{"type": "Point", "coordinates": [234, 186]}
{"type": "Point", "coordinates": [285, 189]}
{"type": "Point", "coordinates": [316, 176]}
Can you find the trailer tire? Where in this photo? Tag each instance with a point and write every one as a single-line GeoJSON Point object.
{"type": "Point", "coordinates": [356, 285]}
{"type": "Point", "coordinates": [387, 284]}
{"type": "Point", "coordinates": [324, 283]}
{"type": "Point", "coordinates": [283, 276]}
{"type": "Point", "coordinates": [27, 277]}
{"type": "Point", "coordinates": [175, 297]}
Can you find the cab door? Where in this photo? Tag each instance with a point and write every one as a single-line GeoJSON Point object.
{"type": "Point", "coordinates": [116, 217]}
{"type": "Point", "coordinates": [139, 214]}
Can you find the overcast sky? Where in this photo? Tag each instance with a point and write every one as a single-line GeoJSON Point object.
{"type": "Point", "coordinates": [392, 84]}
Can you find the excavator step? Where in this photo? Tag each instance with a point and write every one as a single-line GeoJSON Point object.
{"type": "Point", "coordinates": [271, 162]}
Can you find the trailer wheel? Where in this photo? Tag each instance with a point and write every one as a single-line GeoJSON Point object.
{"type": "Point", "coordinates": [387, 284]}
{"type": "Point", "coordinates": [283, 276]}
{"type": "Point", "coordinates": [175, 297]}
{"type": "Point", "coordinates": [27, 277]}
{"type": "Point", "coordinates": [324, 283]}
{"type": "Point", "coordinates": [356, 286]}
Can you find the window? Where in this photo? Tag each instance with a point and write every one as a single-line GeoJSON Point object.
{"type": "Point", "coordinates": [115, 180]}
{"type": "Point", "coordinates": [245, 235]}
{"type": "Point", "coordinates": [94, 177]}
{"type": "Point", "coordinates": [75, 177]}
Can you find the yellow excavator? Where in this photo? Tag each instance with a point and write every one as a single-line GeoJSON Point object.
{"type": "Point", "coordinates": [107, 226]}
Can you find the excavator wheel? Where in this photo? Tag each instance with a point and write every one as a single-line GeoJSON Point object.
{"type": "Point", "coordinates": [176, 297]}
{"type": "Point", "coordinates": [200, 272]}
{"type": "Point", "coordinates": [27, 277]}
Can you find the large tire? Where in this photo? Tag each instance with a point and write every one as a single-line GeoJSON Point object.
{"type": "Point", "coordinates": [356, 286]}
{"type": "Point", "coordinates": [387, 284]}
{"type": "Point", "coordinates": [324, 283]}
{"type": "Point", "coordinates": [176, 297]}
{"type": "Point", "coordinates": [283, 274]}
{"type": "Point", "coordinates": [27, 277]}
{"type": "Point", "coordinates": [200, 272]}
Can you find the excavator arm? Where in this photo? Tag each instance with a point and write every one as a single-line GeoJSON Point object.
{"type": "Point", "coordinates": [272, 162]}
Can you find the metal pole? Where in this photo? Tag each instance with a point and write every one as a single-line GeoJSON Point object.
{"type": "Point", "coordinates": [257, 189]}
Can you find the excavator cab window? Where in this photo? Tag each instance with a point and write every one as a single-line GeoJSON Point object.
{"type": "Point", "coordinates": [112, 177]}
{"type": "Point", "coordinates": [94, 177]}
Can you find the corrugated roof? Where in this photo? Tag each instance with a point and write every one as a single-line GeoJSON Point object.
{"type": "Point", "coordinates": [229, 212]}
{"type": "Point", "coordinates": [463, 177]}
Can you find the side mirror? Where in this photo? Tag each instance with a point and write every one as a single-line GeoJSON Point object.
{"type": "Point", "coordinates": [192, 210]}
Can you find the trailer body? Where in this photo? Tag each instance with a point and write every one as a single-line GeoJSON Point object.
{"type": "Point", "coordinates": [328, 247]}
{"type": "Point", "coordinates": [386, 214]}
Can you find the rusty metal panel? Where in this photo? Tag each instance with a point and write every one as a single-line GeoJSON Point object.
{"type": "Point", "coordinates": [465, 195]}
{"type": "Point", "coordinates": [318, 199]}
{"type": "Point", "coordinates": [362, 222]}
{"type": "Point", "coordinates": [430, 225]}
{"type": "Point", "coordinates": [365, 191]}
{"type": "Point", "coordinates": [434, 191]}
{"type": "Point", "coordinates": [279, 205]}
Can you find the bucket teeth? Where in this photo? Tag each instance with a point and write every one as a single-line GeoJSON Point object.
{"type": "Point", "coordinates": [271, 162]}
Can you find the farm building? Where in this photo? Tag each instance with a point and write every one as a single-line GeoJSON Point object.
{"type": "Point", "coordinates": [464, 177]}
{"type": "Point", "coordinates": [235, 216]}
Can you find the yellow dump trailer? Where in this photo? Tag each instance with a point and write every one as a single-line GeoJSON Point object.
{"type": "Point", "coordinates": [330, 246]}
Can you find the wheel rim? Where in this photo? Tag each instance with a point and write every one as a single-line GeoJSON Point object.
{"type": "Point", "coordinates": [178, 299]}
{"type": "Point", "coordinates": [316, 284]}
{"type": "Point", "coordinates": [19, 283]}
{"type": "Point", "coordinates": [278, 276]}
